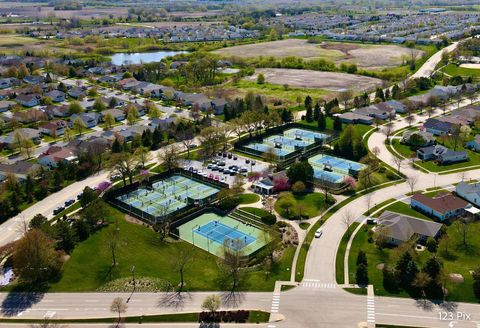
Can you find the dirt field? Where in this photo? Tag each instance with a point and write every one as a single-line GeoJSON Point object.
{"type": "Point", "coordinates": [331, 81]}
{"type": "Point", "coordinates": [365, 56]}
{"type": "Point", "coordinates": [471, 66]}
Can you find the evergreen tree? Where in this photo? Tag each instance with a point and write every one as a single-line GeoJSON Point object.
{"type": "Point", "coordinates": [322, 123]}
{"type": "Point", "coordinates": [337, 124]}
{"type": "Point", "coordinates": [410, 273]}
{"type": "Point", "coordinates": [157, 137]}
{"type": "Point", "coordinates": [361, 258]}
{"type": "Point", "coordinates": [379, 94]}
{"type": "Point", "coordinates": [316, 112]}
{"type": "Point", "coordinates": [308, 102]}
{"type": "Point", "coordinates": [361, 275]}
{"type": "Point", "coordinates": [433, 267]}
{"type": "Point", "coordinates": [116, 146]}
{"type": "Point", "coordinates": [309, 115]}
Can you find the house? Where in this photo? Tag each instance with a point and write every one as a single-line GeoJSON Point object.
{"type": "Point", "coordinates": [98, 70]}
{"type": "Point", "coordinates": [442, 154]}
{"type": "Point", "coordinates": [443, 92]}
{"type": "Point", "coordinates": [129, 133]}
{"type": "Point", "coordinates": [31, 100]}
{"type": "Point", "coordinates": [108, 100]}
{"type": "Point", "coordinates": [53, 128]}
{"type": "Point", "coordinates": [57, 111]}
{"type": "Point", "coordinates": [475, 143]}
{"type": "Point", "coordinates": [56, 154]}
{"type": "Point", "coordinates": [56, 95]}
{"type": "Point", "coordinates": [418, 138]}
{"type": "Point", "coordinates": [441, 207]}
{"type": "Point", "coordinates": [218, 105]}
{"type": "Point", "coordinates": [419, 100]}
{"type": "Point", "coordinates": [106, 79]}
{"type": "Point", "coordinates": [397, 106]}
{"type": "Point", "coordinates": [5, 105]}
{"type": "Point", "coordinates": [76, 92]}
{"type": "Point", "coordinates": [90, 119]}
{"type": "Point", "coordinates": [469, 192]}
{"type": "Point", "coordinates": [9, 82]}
{"type": "Point", "coordinates": [89, 145]}
{"type": "Point", "coordinates": [163, 123]}
{"type": "Point", "coordinates": [354, 118]}
{"type": "Point", "coordinates": [401, 228]}
{"type": "Point", "coordinates": [30, 115]}
{"type": "Point", "coordinates": [21, 169]}
{"type": "Point", "coordinates": [381, 112]}
{"type": "Point", "coordinates": [9, 140]}
{"type": "Point", "coordinates": [87, 104]}
{"type": "Point", "coordinates": [438, 128]}
{"type": "Point", "coordinates": [118, 115]}
{"type": "Point", "coordinates": [140, 108]}
{"type": "Point", "coordinates": [166, 93]}
{"type": "Point", "coordinates": [34, 79]}
{"type": "Point", "coordinates": [189, 99]}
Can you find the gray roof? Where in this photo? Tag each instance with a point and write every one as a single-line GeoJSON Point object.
{"type": "Point", "coordinates": [403, 227]}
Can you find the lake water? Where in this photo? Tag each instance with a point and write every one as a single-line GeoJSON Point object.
{"type": "Point", "coordinates": [141, 57]}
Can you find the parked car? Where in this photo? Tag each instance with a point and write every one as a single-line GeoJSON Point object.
{"type": "Point", "coordinates": [247, 161]}
{"type": "Point", "coordinates": [58, 210]}
{"type": "Point", "coordinates": [69, 202]}
{"type": "Point", "coordinates": [318, 233]}
{"type": "Point", "coordinates": [221, 163]}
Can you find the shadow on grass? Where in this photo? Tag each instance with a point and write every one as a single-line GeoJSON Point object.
{"type": "Point", "coordinates": [18, 300]}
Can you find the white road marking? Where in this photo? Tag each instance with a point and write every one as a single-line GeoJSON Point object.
{"type": "Point", "coordinates": [371, 309]}
{"type": "Point", "coordinates": [317, 285]}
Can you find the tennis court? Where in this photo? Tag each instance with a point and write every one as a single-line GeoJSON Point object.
{"type": "Point", "coordinates": [212, 232]}
{"type": "Point", "coordinates": [336, 164]}
{"type": "Point", "coordinates": [286, 143]}
{"type": "Point", "coordinates": [166, 196]}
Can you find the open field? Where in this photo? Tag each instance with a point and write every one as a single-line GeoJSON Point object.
{"type": "Point", "coordinates": [331, 81]}
{"type": "Point", "coordinates": [42, 11]}
{"type": "Point", "coordinates": [10, 44]}
{"type": "Point", "coordinates": [364, 55]}
{"type": "Point", "coordinates": [452, 70]}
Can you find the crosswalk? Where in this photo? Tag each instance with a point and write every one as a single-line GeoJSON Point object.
{"type": "Point", "coordinates": [371, 310]}
{"type": "Point", "coordinates": [275, 303]}
{"type": "Point", "coordinates": [313, 283]}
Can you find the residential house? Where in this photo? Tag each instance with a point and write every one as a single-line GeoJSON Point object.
{"type": "Point", "coordinates": [443, 92]}
{"type": "Point", "coordinates": [31, 100]}
{"type": "Point", "coordinates": [442, 154]}
{"type": "Point", "coordinates": [76, 92]}
{"type": "Point", "coordinates": [57, 111]}
{"type": "Point", "coordinates": [354, 118]}
{"type": "Point", "coordinates": [89, 145]}
{"type": "Point", "coordinates": [34, 79]}
{"type": "Point", "coordinates": [379, 111]}
{"type": "Point", "coordinates": [118, 101]}
{"type": "Point", "coordinates": [53, 128]}
{"type": "Point", "coordinates": [9, 140]}
{"type": "Point", "coordinates": [469, 192]}
{"type": "Point", "coordinates": [163, 123]}
{"type": "Point", "coordinates": [418, 138]}
{"type": "Point", "coordinates": [475, 143]}
{"type": "Point", "coordinates": [129, 133]}
{"type": "Point", "coordinates": [438, 128]}
{"type": "Point", "coordinates": [419, 100]}
{"type": "Point", "coordinates": [396, 105]}
{"type": "Point", "coordinates": [9, 82]}
{"type": "Point", "coordinates": [166, 93]}
{"type": "Point", "coordinates": [87, 104]}
{"type": "Point", "coordinates": [30, 115]}
{"type": "Point", "coordinates": [21, 169]}
{"type": "Point", "coordinates": [441, 207]}
{"type": "Point", "coordinates": [5, 105]}
{"type": "Point", "coordinates": [189, 99]}
{"type": "Point", "coordinates": [401, 228]}
{"type": "Point", "coordinates": [98, 70]}
{"type": "Point", "coordinates": [90, 119]}
{"type": "Point", "coordinates": [56, 95]}
{"type": "Point", "coordinates": [118, 115]}
{"type": "Point", "coordinates": [106, 79]}
{"type": "Point", "coordinates": [218, 105]}
{"type": "Point", "coordinates": [56, 154]}
{"type": "Point", "coordinates": [140, 108]}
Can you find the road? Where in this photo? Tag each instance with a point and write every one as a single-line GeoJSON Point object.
{"type": "Point", "coordinates": [429, 66]}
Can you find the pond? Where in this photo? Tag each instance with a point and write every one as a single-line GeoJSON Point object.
{"type": "Point", "coordinates": [141, 57]}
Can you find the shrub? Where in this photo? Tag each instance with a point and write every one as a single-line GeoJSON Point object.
{"type": "Point", "coordinates": [269, 219]}
{"type": "Point", "coordinates": [432, 245]}
{"type": "Point", "coordinates": [281, 224]}
{"type": "Point", "coordinates": [228, 204]}
{"type": "Point", "coordinates": [298, 187]}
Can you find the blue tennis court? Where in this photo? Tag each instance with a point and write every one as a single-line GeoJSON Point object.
{"type": "Point", "coordinates": [219, 233]}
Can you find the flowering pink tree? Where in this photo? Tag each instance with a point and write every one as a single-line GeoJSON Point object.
{"type": "Point", "coordinates": [281, 183]}
{"type": "Point", "coordinates": [350, 182]}
{"type": "Point", "coordinates": [102, 186]}
{"type": "Point", "coordinates": [254, 176]}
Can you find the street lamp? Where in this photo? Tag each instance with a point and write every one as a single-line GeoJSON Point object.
{"type": "Point", "coordinates": [133, 275]}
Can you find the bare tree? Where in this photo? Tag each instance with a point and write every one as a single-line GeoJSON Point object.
{"type": "Point", "coordinates": [169, 157]}
{"type": "Point", "coordinates": [410, 119]}
{"type": "Point", "coordinates": [113, 244]}
{"type": "Point", "coordinates": [186, 136]}
{"type": "Point", "coordinates": [376, 151]}
{"type": "Point", "coordinates": [412, 182]}
{"type": "Point", "coordinates": [118, 306]}
{"type": "Point", "coordinates": [181, 259]}
{"type": "Point", "coordinates": [212, 303]}
{"type": "Point", "coordinates": [348, 218]}
{"type": "Point", "coordinates": [462, 227]}
{"type": "Point", "coordinates": [388, 130]}
{"type": "Point", "coordinates": [47, 323]}
{"type": "Point", "coordinates": [232, 264]}
{"type": "Point", "coordinates": [368, 201]}
{"type": "Point", "coordinates": [398, 162]}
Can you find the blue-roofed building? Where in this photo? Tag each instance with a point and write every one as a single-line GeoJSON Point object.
{"type": "Point", "coordinates": [438, 128]}
{"type": "Point", "coordinates": [333, 171]}
{"type": "Point", "coordinates": [469, 192]}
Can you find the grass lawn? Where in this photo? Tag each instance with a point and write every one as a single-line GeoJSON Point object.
{"type": "Point", "coordinates": [404, 150]}
{"type": "Point", "coordinates": [312, 205]}
{"type": "Point", "coordinates": [361, 129]}
{"type": "Point", "coordinates": [90, 262]}
{"type": "Point", "coordinates": [278, 91]}
{"type": "Point", "coordinates": [452, 69]}
{"type": "Point", "coordinates": [401, 207]}
{"type": "Point", "coordinates": [304, 225]}
{"type": "Point", "coordinates": [339, 259]}
{"type": "Point", "coordinates": [248, 198]}
{"type": "Point", "coordinates": [255, 211]}
{"type": "Point", "coordinates": [460, 259]}
{"type": "Point", "coordinates": [357, 291]}
{"type": "Point", "coordinates": [474, 160]}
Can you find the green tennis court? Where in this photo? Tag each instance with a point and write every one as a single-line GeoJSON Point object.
{"type": "Point", "coordinates": [212, 232]}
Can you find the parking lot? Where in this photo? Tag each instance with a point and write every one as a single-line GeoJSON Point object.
{"type": "Point", "coordinates": [243, 165]}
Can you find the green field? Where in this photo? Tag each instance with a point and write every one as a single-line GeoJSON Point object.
{"type": "Point", "coordinates": [311, 204]}
{"type": "Point", "coordinates": [90, 264]}
{"type": "Point", "coordinates": [248, 198]}
{"type": "Point", "coordinates": [452, 69]}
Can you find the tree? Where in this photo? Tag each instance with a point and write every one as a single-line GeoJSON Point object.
{"type": "Point", "coordinates": [361, 275]}
{"type": "Point", "coordinates": [337, 123]}
{"type": "Point", "coordinates": [112, 241]}
{"type": "Point", "coordinates": [300, 171]}
{"type": "Point", "coordinates": [23, 144]}
{"type": "Point", "coordinates": [348, 218]}
{"type": "Point", "coordinates": [182, 258]}
{"type": "Point", "coordinates": [232, 265]}
{"type": "Point", "coordinates": [410, 119]}
{"type": "Point", "coordinates": [212, 303]}
{"type": "Point", "coordinates": [143, 155]}
{"type": "Point", "coordinates": [361, 258]}
{"type": "Point", "coordinates": [118, 306]}
{"type": "Point", "coordinates": [65, 236]}
{"type": "Point", "coordinates": [87, 197]}
{"type": "Point", "coordinates": [286, 202]}
{"type": "Point", "coordinates": [109, 121]}
{"type": "Point", "coordinates": [186, 136]}
{"type": "Point", "coordinates": [99, 105]}
{"type": "Point", "coordinates": [421, 281]}
{"type": "Point", "coordinates": [476, 282]}
{"type": "Point", "coordinates": [444, 245]}
{"type": "Point", "coordinates": [398, 162]}
{"type": "Point", "coordinates": [432, 245]}
{"type": "Point", "coordinates": [316, 112]}
{"type": "Point", "coordinates": [412, 182]}
{"type": "Point", "coordinates": [298, 187]}
{"type": "Point", "coordinates": [78, 125]}
{"type": "Point", "coordinates": [123, 163]}
{"type": "Point", "coordinates": [169, 157]}
{"type": "Point", "coordinates": [132, 114]}
{"type": "Point", "coordinates": [368, 201]}
{"type": "Point", "coordinates": [37, 221]}
{"type": "Point", "coordinates": [74, 108]}
{"type": "Point", "coordinates": [462, 227]}
{"type": "Point", "coordinates": [388, 130]}
{"type": "Point", "coordinates": [261, 79]}
{"type": "Point", "coordinates": [35, 259]}
{"type": "Point", "coordinates": [154, 112]}
{"type": "Point", "coordinates": [322, 122]}
{"type": "Point", "coordinates": [345, 96]}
